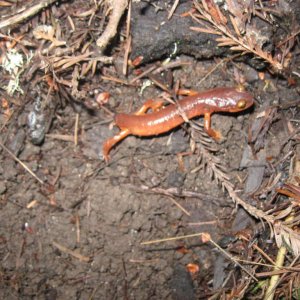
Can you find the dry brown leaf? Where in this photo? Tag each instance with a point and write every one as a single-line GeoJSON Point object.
{"type": "Point", "coordinates": [284, 213]}
{"type": "Point", "coordinates": [214, 11]}
{"type": "Point", "coordinates": [240, 42]}
{"type": "Point", "coordinates": [238, 48]}
{"type": "Point", "coordinates": [67, 61]}
{"type": "Point", "coordinates": [295, 243]}
{"type": "Point", "coordinates": [226, 42]}
{"type": "Point", "coordinates": [47, 32]}
{"type": "Point", "coordinates": [288, 237]}
{"type": "Point", "coordinates": [235, 26]}
{"type": "Point", "coordinates": [234, 8]}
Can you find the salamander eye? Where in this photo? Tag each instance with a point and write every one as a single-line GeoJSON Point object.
{"type": "Point", "coordinates": [241, 104]}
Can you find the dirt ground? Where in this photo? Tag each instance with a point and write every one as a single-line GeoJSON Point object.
{"type": "Point", "coordinates": [103, 212]}
{"type": "Point", "coordinates": [76, 231]}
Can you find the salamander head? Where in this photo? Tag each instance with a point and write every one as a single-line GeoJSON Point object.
{"type": "Point", "coordinates": [233, 100]}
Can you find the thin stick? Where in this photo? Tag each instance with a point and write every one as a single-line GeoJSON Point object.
{"type": "Point", "coordinates": [71, 252]}
{"type": "Point", "coordinates": [220, 63]}
{"type": "Point", "coordinates": [61, 137]}
{"type": "Point", "coordinates": [128, 42]}
{"type": "Point", "coordinates": [118, 8]}
{"type": "Point", "coordinates": [269, 295]}
{"type": "Point", "coordinates": [22, 164]}
{"type": "Point", "coordinates": [288, 38]}
{"type": "Point", "coordinates": [173, 9]}
{"type": "Point", "coordinates": [117, 80]}
{"type": "Point", "coordinates": [173, 238]}
{"type": "Point", "coordinates": [180, 206]}
{"type": "Point", "coordinates": [76, 130]}
{"type": "Point", "coordinates": [233, 259]}
{"type": "Point", "coordinates": [26, 13]}
{"type": "Point", "coordinates": [265, 255]}
{"type": "Point", "coordinates": [126, 55]}
{"type": "Point", "coordinates": [270, 292]}
{"type": "Point", "coordinates": [207, 236]}
{"type": "Point", "coordinates": [77, 229]}
{"type": "Point", "coordinates": [283, 268]}
{"type": "Point", "coordinates": [149, 70]}
{"type": "Point", "coordinates": [202, 223]}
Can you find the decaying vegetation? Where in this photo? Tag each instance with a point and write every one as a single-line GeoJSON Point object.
{"type": "Point", "coordinates": [237, 32]}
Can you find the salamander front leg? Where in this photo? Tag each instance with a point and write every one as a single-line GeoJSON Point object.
{"type": "Point", "coordinates": [186, 92]}
{"type": "Point", "coordinates": [155, 105]}
{"type": "Point", "coordinates": [213, 133]}
{"type": "Point", "coordinates": [108, 144]}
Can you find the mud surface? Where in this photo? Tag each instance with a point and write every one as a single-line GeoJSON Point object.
{"type": "Point", "coordinates": [102, 213]}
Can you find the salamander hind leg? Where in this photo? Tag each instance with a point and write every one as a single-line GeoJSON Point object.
{"type": "Point", "coordinates": [207, 126]}
{"type": "Point", "coordinates": [110, 143]}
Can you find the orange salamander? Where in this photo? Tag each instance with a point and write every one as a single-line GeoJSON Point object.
{"type": "Point", "coordinates": [162, 120]}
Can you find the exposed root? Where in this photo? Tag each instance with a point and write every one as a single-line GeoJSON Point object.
{"type": "Point", "coordinates": [118, 8]}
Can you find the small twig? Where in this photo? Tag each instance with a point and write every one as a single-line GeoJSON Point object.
{"type": "Point", "coordinates": [171, 65]}
{"type": "Point", "coordinates": [22, 164]}
{"type": "Point", "coordinates": [202, 223]}
{"type": "Point", "coordinates": [128, 42]}
{"type": "Point", "coordinates": [272, 273]}
{"type": "Point", "coordinates": [149, 70]}
{"type": "Point", "coordinates": [126, 55]}
{"type": "Point", "coordinates": [173, 238]}
{"type": "Point", "coordinates": [117, 80]}
{"type": "Point", "coordinates": [264, 254]}
{"type": "Point", "coordinates": [19, 253]}
{"type": "Point", "coordinates": [219, 64]}
{"type": "Point", "coordinates": [179, 193]}
{"type": "Point", "coordinates": [77, 220]}
{"type": "Point", "coordinates": [26, 13]}
{"type": "Point", "coordinates": [70, 252]}
{"type": "Point", "coordinates": [144, 261]}
{"type": "Point", "coordinates": [288, 38]}
{"type": "Point", "coordinates": [76, 130]}
{"type": "Point", "coordinates": [62, 137]}
{"type": "Point", "coordinates": [118, 8]}
{"type": "Point", "coordinates": [248, 262]}
{"type": "Point", "coordinates": [270, 292]}
{"type": "Point", "coordinates": [208, 238]}
{"type": "Point", "coordinates": [180, 206]}
{"type": "Point", "coordinates": [175, 4]}
{"type": "Point", "coordinates": [232, 258]}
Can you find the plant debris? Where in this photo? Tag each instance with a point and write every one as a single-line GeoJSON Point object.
{"type": "Point", "coordinates": [236, 31]}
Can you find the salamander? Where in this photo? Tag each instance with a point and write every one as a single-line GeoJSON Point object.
{"type": "Point", "coordinates": [161, 120]}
